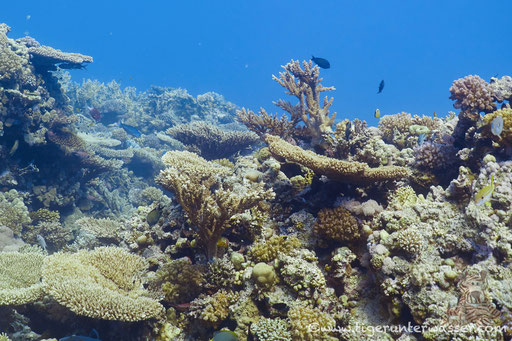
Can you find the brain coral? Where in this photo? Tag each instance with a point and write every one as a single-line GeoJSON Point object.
{"type": "Point", "coordinates": [105, 283]}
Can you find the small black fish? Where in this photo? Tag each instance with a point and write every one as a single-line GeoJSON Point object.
{"type": "Point", "coordinates": [348, 129]}
{"type": "Point", "coordinates": [323, 63]}
{"type": "Point", "coordinates": [381, 86]}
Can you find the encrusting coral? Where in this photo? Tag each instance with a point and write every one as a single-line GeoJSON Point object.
{"type": "Point", "coordinates": [106, 283]}
{"type": "Point", "coordinates": [204, 191]}
{"type": "Point", "coordinates": [334, 169]}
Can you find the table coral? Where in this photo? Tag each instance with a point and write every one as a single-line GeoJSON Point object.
{"type": "Point", "coordinates": [210, 141]}
{"type": "Point", "coordinates": [20, 278]}
{"type": "Point", "coordinates": [340, 170]}
{"type": "Point", "coordinates": [106, 283]}
{"type": "Point", "coordinates": [192, 179]}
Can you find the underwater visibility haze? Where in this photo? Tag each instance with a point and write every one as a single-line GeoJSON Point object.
{"type": "Point", "coordinates": [263, 171]}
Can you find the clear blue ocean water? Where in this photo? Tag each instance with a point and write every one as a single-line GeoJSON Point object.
{"type": "Point", "coordinates": [233, 47]}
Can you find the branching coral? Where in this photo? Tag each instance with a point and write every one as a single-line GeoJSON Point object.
{"type": "Point", "coordinates": [304, 84]}
{"type": "Point", "coordinates": [502, 88]}
{"type": "Point", "coordinates": [472, 95]}
{"type": "Point", "coordinates": [20, 277]}
{"type": "Point", "coordinates": [337, 224]}
{"type": "Point", "coordinates": [339, 170]}
{"type": "Point", "coordinates": [206, 193]}
{"type": "Point", "coordinates": [212, 142]}
{"type": "Point", "coordinates": [265, 123]}
{"type": "Point", "coordinates": [106, 283]}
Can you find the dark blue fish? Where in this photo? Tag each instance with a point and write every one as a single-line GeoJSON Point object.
{"type": "Point", "coordinates": [381, 86]}
{"type": "Point", "coordinates": [130, 130]}
{"type": "Point", "coordinates": [93, 336]}
{"type": "Point", "coordinates": [323, 63]}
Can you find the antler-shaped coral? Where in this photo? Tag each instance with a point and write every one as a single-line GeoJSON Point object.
{"type": "Point", "coordinates": [305, 85]}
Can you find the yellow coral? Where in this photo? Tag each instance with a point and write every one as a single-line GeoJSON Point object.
{"type": "Point", "coordinates": [337, 224]}
{"type": "Point", "coordinates": [310, 324]}
{"type": "Point", "coordinates": [344, 171]}
{"type": "Point", "coordinates": [268, 250]}
{"type": "Point", "coordinates": [505, 138]}
{"type": "Point", "coordinates": [20, 277]}
{"type": "Point", "coordinates": [402, 197]}
{"type": "Point", "coordinates": [203, 191]}
{"type": "Point", "coordinates": [106, 283]}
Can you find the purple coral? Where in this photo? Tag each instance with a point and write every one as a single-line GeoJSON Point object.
{"type": "Point", "coordinates": [472, 94]}
{"type": "Point", "coordinates": [434, 156]}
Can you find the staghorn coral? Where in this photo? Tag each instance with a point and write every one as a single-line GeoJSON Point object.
{"type": "Point", "coordinates": [265, 123]}
{"type": "Point", "coordinates": [305, 85]}
{"type": "Point", "coordinates": [210, 141]}
{"type": "Point", "coordinates": [20, 278]}
{"type": "Point", "coordinates": [337, 224]}
{"type": "Point", "coordinates": [472, 95]}
{"type": "Point", "coordinates": [339, 170]}
{"type": "Point", "coordinates": [106, 283]}
{"type": "Point", "coordinates": [203, 190]}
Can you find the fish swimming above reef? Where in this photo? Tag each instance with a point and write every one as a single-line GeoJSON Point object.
{"type": "Point", "coordinates": [484, 195]}
{"type": "Point", "coordinates": [497, 126]}
{"type": "Point", "coordinates": [381, 86]}
{"type": "Point", "coordinates": [130, 129]}
{"type": "Point", "coordinates": [435, 114]}
{"type": "Point", "coordinates": [323, 63]}
{"type": "Point", "coordinates": [14, 148]}
{"type": "Point", "coordinates": [377, 113]}
{"type": "Point", "coordinates": [41, 242]}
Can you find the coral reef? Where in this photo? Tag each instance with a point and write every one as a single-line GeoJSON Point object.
{"type": "Point", "coordinates": [192, 178]}
{"type": "Point", "coordinates": [20, 278]}
{"type": "Point", "coordinates": [344, 171]}
{"type": "Point", "coordinates": [211, 142]}
{"type": "Point", "coordinates": [105, 283]}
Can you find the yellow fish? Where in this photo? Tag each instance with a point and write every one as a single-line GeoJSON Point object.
{"type": "Point", "coordinates": [377, 113]}
{"type": "Point", "coordinates": [485, 194]}
{"type": "Point", "coordinates": [435, 114]}
{"type": "Point", "coordinates": [14, 148]}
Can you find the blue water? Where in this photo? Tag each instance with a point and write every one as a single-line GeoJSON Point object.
{"type": "Point", "coordinates": [233, 47]}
